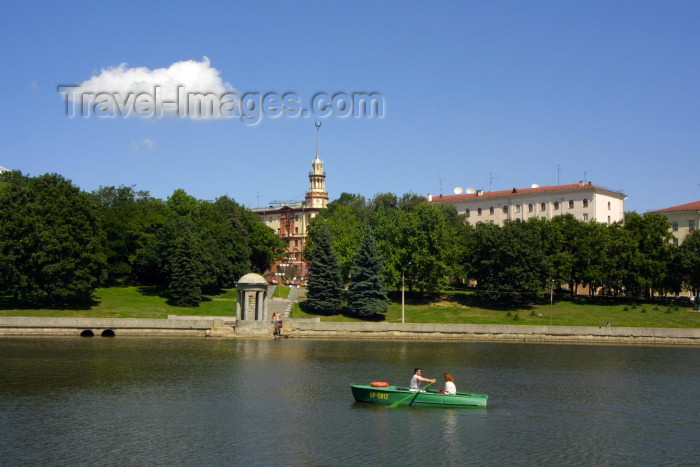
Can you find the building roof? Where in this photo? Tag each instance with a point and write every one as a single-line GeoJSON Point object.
{"type": "Point", "coordinates": [694, 206]}
{"type": "Point", "coordinates": [521, 191]}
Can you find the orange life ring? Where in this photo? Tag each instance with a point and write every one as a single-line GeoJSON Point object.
{"type": "Point", "coordinates": [379, 384]}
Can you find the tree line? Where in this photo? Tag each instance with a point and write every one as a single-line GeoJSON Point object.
{"type": "Point", "coordinates": [431, 246]}
{"type": "Point", "coordinates": [58, 243]}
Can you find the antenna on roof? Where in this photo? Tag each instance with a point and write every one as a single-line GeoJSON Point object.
{"type": "Point", "coordinates": [558, 173]}
{"type": "Point", "coordinates": [440, 178]}
{"type": "Point", "coordinates": [457, 190]}
{"type": "Point", "coordinates": [491, 179]}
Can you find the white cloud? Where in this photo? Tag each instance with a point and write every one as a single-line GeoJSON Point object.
{"type": "Point", "coordinates": [124, 91]}
{"type": "Point", "coordinates": [143, 145]}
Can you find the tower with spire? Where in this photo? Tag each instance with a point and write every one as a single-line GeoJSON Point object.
{"type": "Point", "coordinates": [317, 196]}
{"type": "Point", "coordinates": [290, 219]}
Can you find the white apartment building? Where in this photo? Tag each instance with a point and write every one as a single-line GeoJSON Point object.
{"type": "Point", "coordinates": [684, 219]}
{"type": "Point", "coordinates": [585, 201]}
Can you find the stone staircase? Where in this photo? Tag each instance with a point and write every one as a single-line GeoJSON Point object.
{"type": "Point", "coordinates": [280, 305]}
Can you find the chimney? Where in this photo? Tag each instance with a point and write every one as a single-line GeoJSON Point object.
{"type": "Point", "coordinates": [581, 183]}
{"type": "Point", "coordinates": [479, 192]}
{"type": "Point", "coordinates": [430, 197]}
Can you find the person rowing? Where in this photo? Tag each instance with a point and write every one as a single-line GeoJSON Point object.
{"type": "Point", "coordinates": [417, 379]}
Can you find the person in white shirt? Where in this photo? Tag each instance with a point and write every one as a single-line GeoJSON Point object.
{"type": "Point", "coordinates": [418, 378]}
{"type": "Point", "coordinates": [450, 387]}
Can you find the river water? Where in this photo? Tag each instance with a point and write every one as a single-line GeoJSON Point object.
{"type": "Point", "coordinates": [131, 401]}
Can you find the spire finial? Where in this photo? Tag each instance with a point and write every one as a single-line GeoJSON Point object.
{"type": "Point", "coordinates": [318, 128]}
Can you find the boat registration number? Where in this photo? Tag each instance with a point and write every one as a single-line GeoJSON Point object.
{"type": "Point", "coordinates": [379, 395]}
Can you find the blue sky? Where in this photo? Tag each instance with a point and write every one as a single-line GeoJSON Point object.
{"type": "Point", "coordinates": [489, 95]}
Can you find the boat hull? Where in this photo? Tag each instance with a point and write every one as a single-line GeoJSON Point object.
{"type": "Point", "coordinates": [392, 394]}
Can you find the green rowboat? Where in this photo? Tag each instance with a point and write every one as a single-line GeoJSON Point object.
{"type": "Point", "coordinates": [401, 395]}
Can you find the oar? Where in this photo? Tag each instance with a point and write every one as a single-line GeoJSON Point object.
{"type": "Point", "coordinates": [397, 403]}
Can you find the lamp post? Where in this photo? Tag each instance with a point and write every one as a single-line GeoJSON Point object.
{"type": "Point", "coordinates": [403, 302]}
{"type": "Point", "coordinates": [551, 299]}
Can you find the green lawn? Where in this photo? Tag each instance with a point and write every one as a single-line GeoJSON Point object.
{"type": "Point", "coordinates": [150, 302]}
{"type": "Point", "coordinates": [135, 302]}
{"type": "Point", "coordinates": [563, 313]}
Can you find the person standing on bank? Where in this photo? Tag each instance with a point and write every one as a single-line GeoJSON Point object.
{"type": "Point", "coordinates": [418, 379]}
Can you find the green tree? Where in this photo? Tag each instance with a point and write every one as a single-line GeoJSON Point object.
{"type": "Point", "coordinates": [391, 230]}
{"type": "Point", "coordinates": [129, 220]}
{"type": "Point", "coordinates": [50, 241]}
{"type": "Point", "coordinates": [185, 269]}
{"type": "Point", "coordinates": [410, 201]}
{"type": "Point", "coordinates": [226, 253]}
{"type": "Point", "coordinates": [432, 248]}
{"type": "Point", "coordinates": [265, 245]}
{"type": "Point", "coordinates": [689, 253]}
{"type": "Point", "coordinates": [356, 203]}
{"type": "Point", "coordinates": [384, 201]}
{"type": "Point", "coordinates": [367, 295]}
{"type": "Point", "coordinates": [572, 248]}
{"type": "Point", "coordinates": [509, 262]}
{"type": "Point", "coordinates": [324, 286]}
{"type": "Point", "coordinates": [651, 232]}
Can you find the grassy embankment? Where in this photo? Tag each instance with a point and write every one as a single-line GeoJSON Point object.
{"type": "Point", "coordinates": [460, 308]}
{"type": "Point", "coordinates": [149, 302]}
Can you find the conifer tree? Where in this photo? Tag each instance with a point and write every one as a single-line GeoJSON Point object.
{"type": "Point", "coordinates": [367, 295]}
{"type": "Point", "coordinates": [185, 287]}
{"type": "Point", "coordinates": [324, 284]}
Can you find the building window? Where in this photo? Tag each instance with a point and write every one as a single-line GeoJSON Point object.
{"type": "Point", "coordinates": [542, 207]}
{"type": "Point", "coordinates": [608, 205]}
{"type": "Point", "coordinates": [585, 203]}
{"type": "Point", "coordinates": [675, 241]}
{"type": "Point", "coordinates": [608, 220]}
{"type": "Point", "coordinates": [691, 225]}
{"type": "Point", "coordinates": [674, 226]}
{"type": "Point", "coordinates": [467, 212]}
{"type": "Point", "coordinates": [478, 212]}
{"type": "Point", "coordinates": [517, 208]}
{"type": "Point", "coordinates": [571, 204]}
{"type": "Point", "coordinates": [530, 207]}
{"type": "Point", "coordinates": [505, 209]}
{"type": "Point", "coordinates": [491, 210]}
{"type": "Point", "coordinates": [585, 217]}
{"type": "Point", "coordinates": [556, 205]}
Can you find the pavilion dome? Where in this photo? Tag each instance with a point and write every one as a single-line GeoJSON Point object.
{"type": "Point", "coordinates": [252, 278]}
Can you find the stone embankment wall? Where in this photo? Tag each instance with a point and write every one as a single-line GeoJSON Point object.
{"type": "Point", "coordinates": [185, 327]}
{"type": "Point", "coordinates": [502, 333]}
{"type": "Point", "coordinates": [179, 326]}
